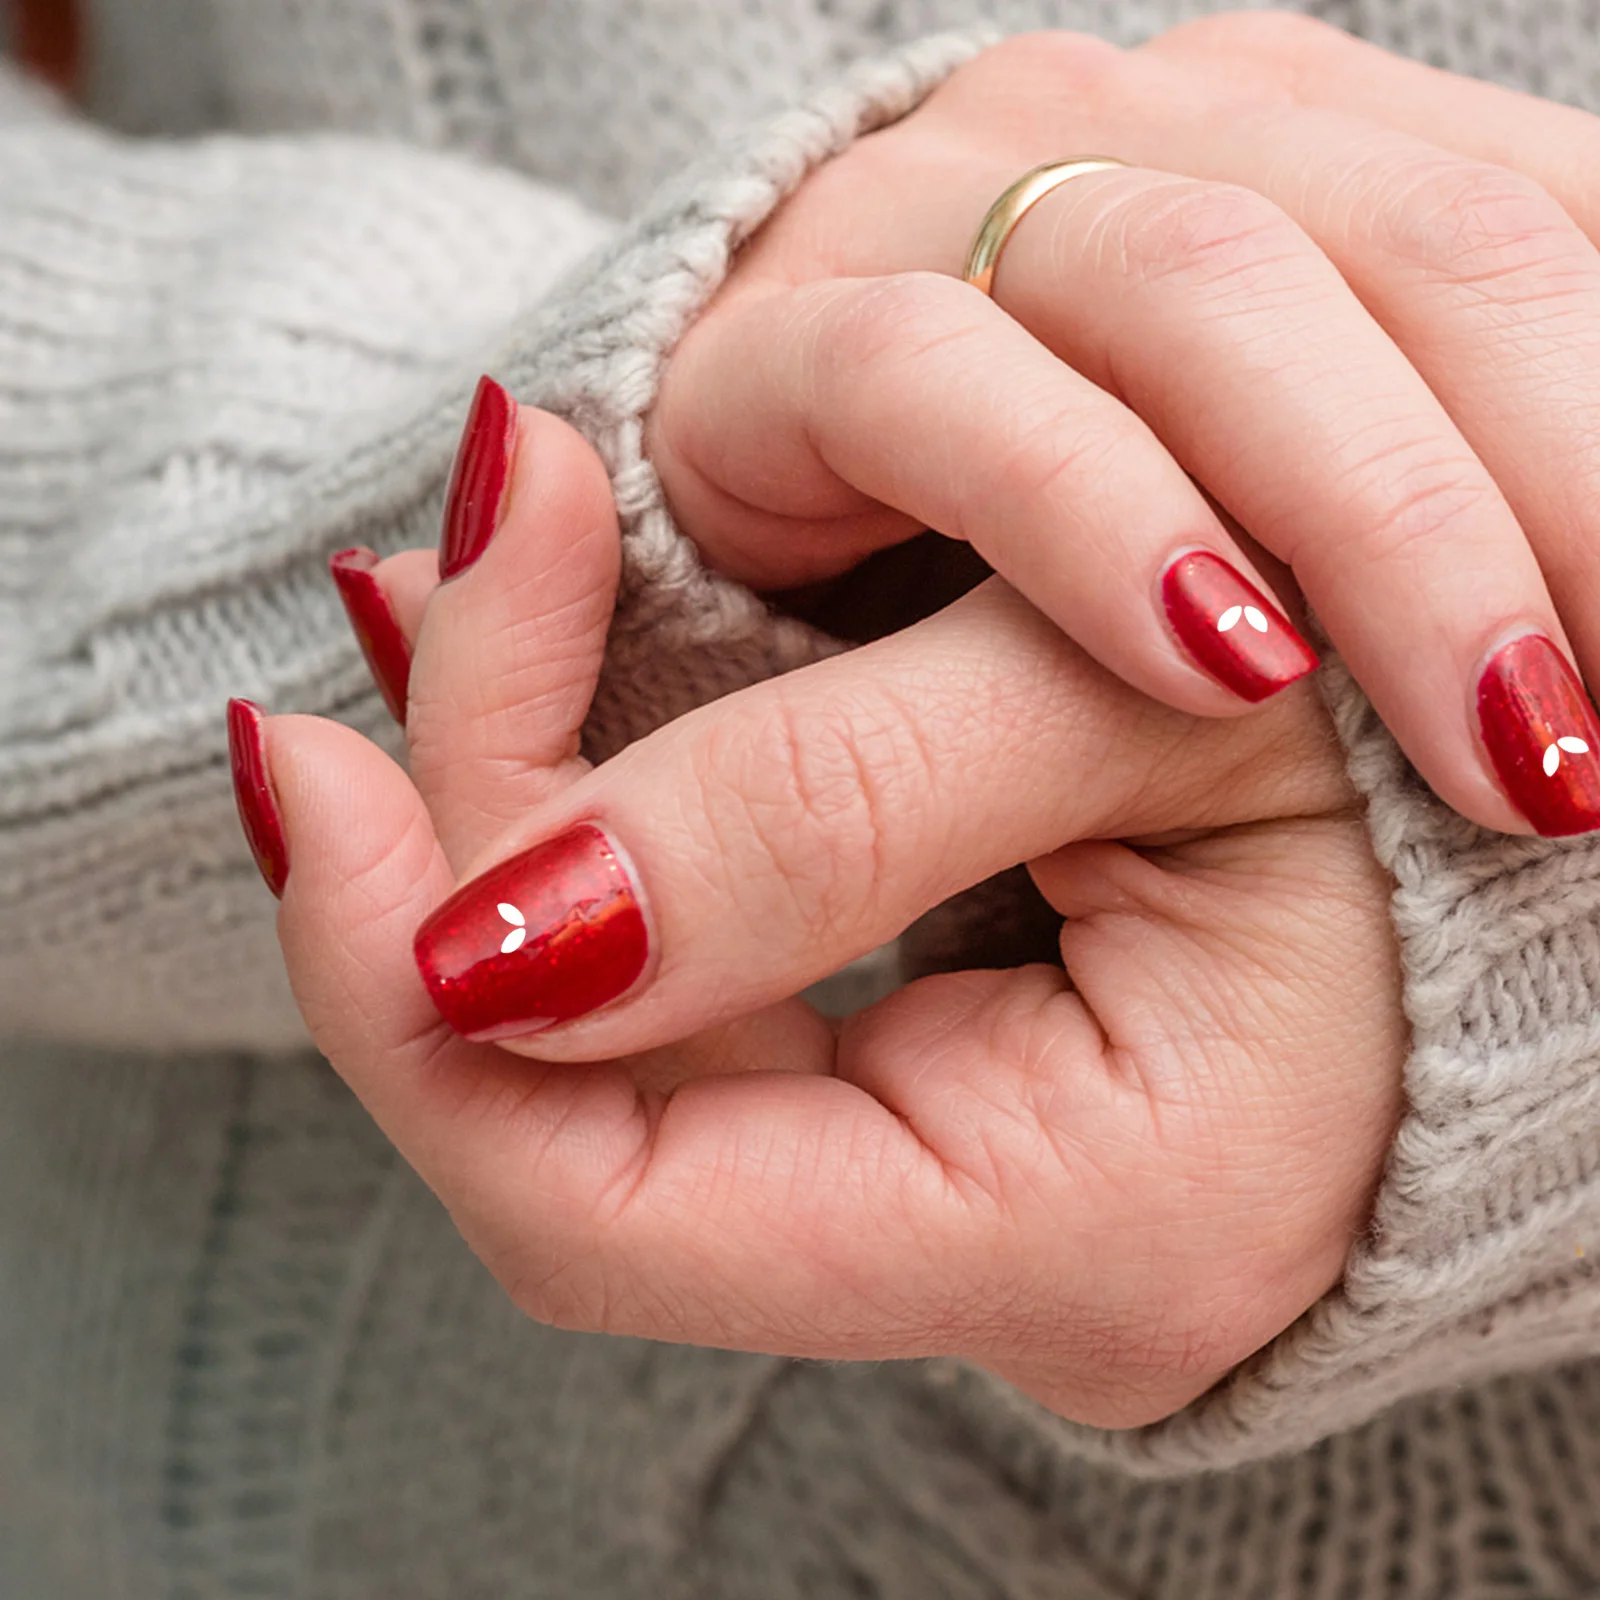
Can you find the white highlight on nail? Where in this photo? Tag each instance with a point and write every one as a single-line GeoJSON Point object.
{"type": "Point", "coordinates": [1552, 755]}
{"type": "Point", "coordinates": [519, 932]}
{"type": "Point", "coordinates": [1234, 614]}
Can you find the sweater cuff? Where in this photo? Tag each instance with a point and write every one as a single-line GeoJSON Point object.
{"type": "Point", "coordinates": [1482, 1257]}
{"type": "Point", "coordinates": [682, 635]}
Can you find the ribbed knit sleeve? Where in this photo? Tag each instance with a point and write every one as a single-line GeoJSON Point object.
{"type": "Point", "coordinates": [220, 361]}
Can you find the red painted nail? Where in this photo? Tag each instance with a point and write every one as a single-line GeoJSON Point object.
{"type": "Point", "coordinates": [544, 937]}
{"type": "Point", "coordinates": [1542, 735]}
{"type": "Point", "coordinates": [478, 479]}
{"type": "Point", "coordinates": [372, 618]}
{"type": "Point", "coordinates": [252, 790]}
{"type": "Point", "coordinates": [1238, 635]}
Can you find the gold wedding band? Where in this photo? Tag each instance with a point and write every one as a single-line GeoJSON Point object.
{"type": "Point", "coordinates": [1014, 205]}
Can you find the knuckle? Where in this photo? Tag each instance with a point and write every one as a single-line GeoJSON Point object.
{"type": "Point", "coordinates": [1417, 496]}
{"type": "Point", "coordinates": [1056, 58]}
{"type": "Point", "coordinates": [1475, 223]}
{"type": "Point", "coordinates": [1282, 40]}
{"type": "Point", "coordinates": [556, 1295]}
{"type": "Point", "coordinates": [808, 797]}
{"type": "Point", "coordinates": [1207, 237]}
{"type": "Point", "coordinates": [1043, 462]}
{"type": "Point", "coordinates": [899, 318]}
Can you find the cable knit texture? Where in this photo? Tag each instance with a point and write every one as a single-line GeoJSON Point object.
{"type": "Point", "coordinates": [242, 1352]}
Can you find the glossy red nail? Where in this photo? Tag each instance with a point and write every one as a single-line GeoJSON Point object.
{"type": "Point", "coordinates": [373, 622]}
{"type": "Point", "coordinates": [1542, 735]}
{"type": "Point", "coordinates": [252, 791]}
{"type": "Point", "coordinates": [545, 937]}
{"type": "Point", "coordinates": [1238, 635]}
{"type": "Point", "coordinates": [479, 478]}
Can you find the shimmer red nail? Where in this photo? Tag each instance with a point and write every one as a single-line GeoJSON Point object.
{"type": "Point", "coordinates": [479, 478]}
{"type": "Point", "coordinates": [1542, 735]}
{"type": "Point", "coordinates": [252, 792]}
{"type": "Point", "coordinates": [1231, 629]}
{"type": "Point", "coordinates": [552, 934]}
{"type": "Point", "coordinates": [373, 621]}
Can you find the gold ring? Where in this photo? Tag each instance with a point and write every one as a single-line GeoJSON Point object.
{"type": "Point", "coordinates": [1014, 204]}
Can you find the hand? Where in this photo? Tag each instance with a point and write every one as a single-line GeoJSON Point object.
{"type": "Point", "coordinates": [1108, 1191]}
{"type": "Point", "coordinates": [1352, 300]}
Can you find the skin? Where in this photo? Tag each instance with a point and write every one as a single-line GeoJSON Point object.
{"type": "Point", "coordinates": [1112, 1190]}
{"type": "Point", "coordinates": [1379, 280]}
{"type": "Point", "coordinates": [1109, 1193]}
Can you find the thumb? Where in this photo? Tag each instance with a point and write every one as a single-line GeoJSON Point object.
{"type": "Point", "coordinates": [511, 642]}
{"type": "Point", "coordinates": [759, 843]}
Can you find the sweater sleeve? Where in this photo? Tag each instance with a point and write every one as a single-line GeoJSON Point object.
{"type": "Point", "coordinates": [220, 361]}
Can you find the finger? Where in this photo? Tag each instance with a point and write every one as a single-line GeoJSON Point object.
{"type": "Point", "coordinates": [511, 646]}
{"type": "Point", "coordinates": [763, 841]}
{"type": "Point", "coordinates": [1316, 433]}
{"type": "Point", "coordinates": [365, 867]}
{"type": "Point", "coordinates": [384, 601]}
{"type": "Point", "coordinates": [1492, 291]}
{"type": "Point", "coordinates": [917, 392]}
{"type": "Point", "coordinates": [1285, 57]}
{"type": "Point", "coordinates": [728, 1209]}
{"type": "Point", "coordinates": [1324, 441]}
{"type": "Point", "coordinates": [408, 581]}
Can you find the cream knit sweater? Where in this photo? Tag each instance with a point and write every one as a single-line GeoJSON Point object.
{"type": "Point", "coordinates": [242, 1352]}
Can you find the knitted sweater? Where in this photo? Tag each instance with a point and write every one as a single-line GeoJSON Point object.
{"type": "Point", "coordinates": [242, 1350]}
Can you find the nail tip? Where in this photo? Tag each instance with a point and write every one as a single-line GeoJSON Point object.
{"type": "Point", "coordinates": [372, 620]}
{"type": "Point", "coordinates": [253, 794]}
{"type": "Point", "coordinates": [478, 477]}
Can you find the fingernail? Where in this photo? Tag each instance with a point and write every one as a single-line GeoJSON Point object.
{"type": "Point", "coordinates": [252, 791]}
{"type": "Point", "coordinates": [547, 936]}
{"type": "Point", "coordinates": [372, 620]}
{"type": "Point", "coordinates": [478, 479]}
{"type": "Point", "coordinates": [1542, 735]}
{"type": "Point", "coordinates": [1235, 633]}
